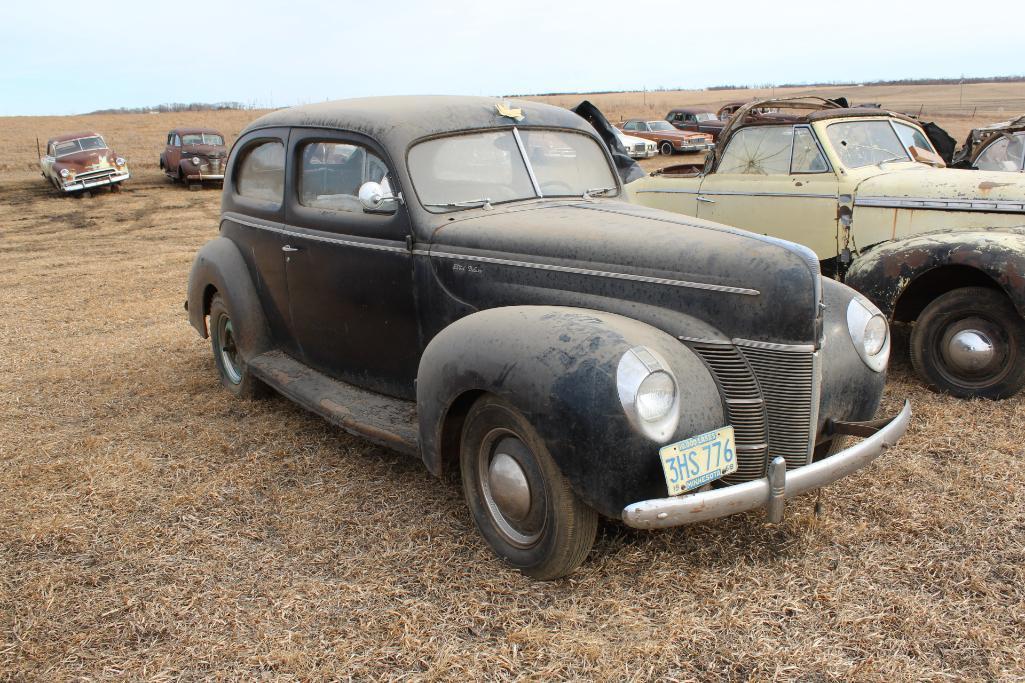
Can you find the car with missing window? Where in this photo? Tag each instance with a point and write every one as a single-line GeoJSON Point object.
{"type": "Point", "coordinates": [193, 156]}
{"type": "Point", "coordinates": [77, 163]}
{"type": "Point", "coordinates": [942, 249]}
{"type": "Point", "coordinates": [458, 279]}
{"type": "Point", "coordinates": [997, 147]}
{"type": "Point", "coordinates": [668, 139]}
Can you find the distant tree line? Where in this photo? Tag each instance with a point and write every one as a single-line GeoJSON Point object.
{"type": "Point", "coordinates": [177, 107]}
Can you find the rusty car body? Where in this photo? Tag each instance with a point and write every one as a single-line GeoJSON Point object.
{"type": "Point", "coordinates": [865, 189]}
{"type": "Point", "coordinates": [457, 278]}
{"type": "Point", "coordinates": [997, 147]}
{"type": "Point", "coordinates": [77, 163]}
{"type": "Point", "coordinates": [696, 119]}
{"type": "Point", "coordinates": [194, 155]}
{"type": "Point", "coordinates": [669, 139]}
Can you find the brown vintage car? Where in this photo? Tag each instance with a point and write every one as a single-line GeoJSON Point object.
{"type": "Point", "coordinates": [667, 138]}
{"type": "Point", "coordinates": [194, 155]}
{"type": "Point", "coordinates": [696, 119]}
{"type": "Point", "coordinates": [76, 163]}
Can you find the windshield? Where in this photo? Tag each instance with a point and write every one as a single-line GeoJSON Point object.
{"type": "Point", "coordinates": [866, 143]}
{"type": "Point", "coordinates": [81, 144]}
{"type": "Point", "coordinates": [660, 125]}
{"type": "Point", "coordinates": [704, 116]}
{"type": "Point", "coordinates": [474, 169]}
{"type": "Point", "coordinates": [202, 139]}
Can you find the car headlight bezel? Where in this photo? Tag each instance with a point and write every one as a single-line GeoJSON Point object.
{"type": "Point", "coordinates": [196, 161]}
{"type": "Point", "coordinates": [65, 173]}
{"type": "Point", "coordinates": [120, 161]}
{"type": "Point", "coordinates": [870, 333]}
{"type": "Point", "coordinates": [649, 393]}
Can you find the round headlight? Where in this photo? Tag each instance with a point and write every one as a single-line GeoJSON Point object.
{"type": "Point", "coordinates": [65, 173]}
{"type": "Point", "coordinates": [648, 393]}
{"type": "Point", "coordinates": [869, 333]}
{"type": "Point", "coordinates": [655, 396]}
{"type": "Point", "coordinates": [120, 161]}
{"type": "Point", "coordinates": [195, 160]}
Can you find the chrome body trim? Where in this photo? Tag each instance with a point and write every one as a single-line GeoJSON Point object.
{"type": "Point", "coordinates": [661, 513]}
{"type": "Point", "coordinates": [292, 231]}
{"type": "Point", "coordinates": [526, 162]}
{"type": "Point", "coordinates": [772, 346]}
{"type": "Point", "coordinates": [726, 193]}
{"type": "Point", "coordinates": [97, 181]}
{"type": "Point", "coordinates": [941, 204]}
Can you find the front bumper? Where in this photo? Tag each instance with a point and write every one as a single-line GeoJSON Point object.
{"type": "Point", "coordinates": [703, 147]}
{"type": "Point", "coordinates": [205, 176]}
{"type": "Point", "coordinates": [76, 185]}
{"type": "Point", "coordinates": [768, 492]}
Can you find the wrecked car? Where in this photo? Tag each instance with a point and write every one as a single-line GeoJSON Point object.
{"type": "Point", "coordinates": [998, 147]}
{"type": "Point", "coordinates": [194, 155]}
{"type": "Point", "coordinates": [696, 119]}
{"type": "Point", "coordinates": [668, 139]}
{"type": "Point", "coordinates": [77, 163]}
{"type": "Point", "coordinates": [457, 278]}
{"type": "Point", "coordinates": [865, 189]}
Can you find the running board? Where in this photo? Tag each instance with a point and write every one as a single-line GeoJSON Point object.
{"type": "Point", "coordinates": [384, 420]}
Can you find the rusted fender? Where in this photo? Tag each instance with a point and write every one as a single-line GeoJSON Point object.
{"type": "Point", "coordinates": [884, 272]}
{"type": "Point", "coordinates": [557, 366]}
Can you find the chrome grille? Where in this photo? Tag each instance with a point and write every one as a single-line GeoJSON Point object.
{"type": "Point", "coordinates": [92, 175]}
{"type": "Point", "coordinates": [787, 381]}
{"type": "Point", "coordinates": [770, 401]}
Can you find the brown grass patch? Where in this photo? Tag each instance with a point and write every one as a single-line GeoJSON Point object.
{"type": "Point", "coordinates": [154, 528]}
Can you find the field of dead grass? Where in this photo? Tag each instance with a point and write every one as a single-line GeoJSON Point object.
{"type": "Point", "coordinates": [153, 528]}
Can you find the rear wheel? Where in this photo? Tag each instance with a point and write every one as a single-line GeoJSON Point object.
{"type": "Point", "coordinates": [665, 147]}
{"type": "Point", "coordinates": [231, 365]}
{"type": "Point", "coordinates": [970, 342]}
{"type": "Point", "coordinates": [521, 504]}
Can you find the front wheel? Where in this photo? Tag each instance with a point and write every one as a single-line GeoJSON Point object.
{"type": "Point", "coordinates": [231, 366]}
{"type": "Point", "coordinates": [666, 148]}
{"type": "Point", "coordinates": [970, 342]}
{"type": "Point", "coordinates": [521, 504]}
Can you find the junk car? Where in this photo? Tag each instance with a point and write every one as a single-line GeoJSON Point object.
{"type": "Point", "coordinates": [76, 163]}
{"type": "Point", "coordinates": [457, 278]}
{"type": "Point", "coordinates": [866, 190]}
{"type": "Point", "coordinates": [194, 155]}
{"type": "Point", "coordinates": [997, 147]}
{"type": "Point", "coordinates": [668, 139]}
{"type": "Point", "coordinates": [637, 148]}
{"type": "Point", "coordinates": [696, 119]}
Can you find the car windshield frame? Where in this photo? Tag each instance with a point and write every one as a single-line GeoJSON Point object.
{"type": "Point", "coordinates": [78, 146]}
{"type": "Point", "coordinates": [203, 139]}
{"type": "Point", "coordinates": [875, 121]}
{"type": "Point", "coordinates": [613, 189]}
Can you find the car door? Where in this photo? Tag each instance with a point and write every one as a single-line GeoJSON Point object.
{"type": "Point", "coordinates": [775, 180]}
{"type": "Point", "coordinates": [349, 271]}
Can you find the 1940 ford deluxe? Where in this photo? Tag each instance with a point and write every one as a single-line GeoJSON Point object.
{"type": "Point", "coordinates": [456, 278]}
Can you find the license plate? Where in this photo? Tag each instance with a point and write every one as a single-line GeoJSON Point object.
{"type": "Point", "coordinates": [698, 460]}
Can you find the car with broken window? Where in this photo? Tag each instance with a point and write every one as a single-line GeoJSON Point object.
{"type": "Point", "coordinates": [194, 156]}
{"type": "Point", "coordinates": [668, 139]}
{"type": "Point", "coordinates": [865, 189]}
{"type": "Point", "coordinates": [77, 163]}
{"type": "Point", "coordinates": [697, 119]}
{"type": "Point", "coordinates": [997, 147]}
{"type": "Point", "coordinates": [458, 278]}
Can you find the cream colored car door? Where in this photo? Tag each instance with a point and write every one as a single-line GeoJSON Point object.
{"type": "Point", "coordinates": [775, 180]}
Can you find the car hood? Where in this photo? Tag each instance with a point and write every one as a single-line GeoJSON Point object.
{"type": "Point", "coordinates": [87, 160]}
{"type": "Point", "coordinates": [925, 182]}
{"type": "Point", "coordinates": [740, 284]}
{"type": "Point", "coordinates": [633, 140]}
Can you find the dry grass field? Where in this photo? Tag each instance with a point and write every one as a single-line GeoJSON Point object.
{"type": "Point", "coordinates": [153, 528]}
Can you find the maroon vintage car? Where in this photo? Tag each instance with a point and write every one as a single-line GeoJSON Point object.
{"type": "Point", "coordinates": [667, 138]}
{"type": "Point", "coordinates": [76, 163]}
{"type": "Point", "coordinates": [696, 119]}
{"type": "Point", "coordinates": [194, 155]}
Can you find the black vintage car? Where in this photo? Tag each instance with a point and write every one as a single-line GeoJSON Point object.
{"type": "Point", "coordinates": [456, 278]}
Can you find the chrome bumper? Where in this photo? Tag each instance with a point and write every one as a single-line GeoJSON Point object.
{"type": "Point", "coordinates": [205, 176]}
{"type": "Point", "coordinates": [769, 492]}
{"type": "Point", "coordinates": [89, 183]}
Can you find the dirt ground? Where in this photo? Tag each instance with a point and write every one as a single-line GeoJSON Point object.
{"type": "Point", "coordinates": [153, 528]}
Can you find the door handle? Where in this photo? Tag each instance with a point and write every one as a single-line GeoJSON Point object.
{"type": "Point", "coordinates": [289, 248]}
{"type": "Point", "coordinates": [706, 200]}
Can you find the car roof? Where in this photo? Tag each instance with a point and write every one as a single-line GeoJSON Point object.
{"type": "Point", "coordinates": [64, 137]}
{"type": "Point", "coordinates": [195, 131]}
{"type": "Point", "coordinates": [690, 110]}
{"type": "Point", "coordinates": [396, 121]}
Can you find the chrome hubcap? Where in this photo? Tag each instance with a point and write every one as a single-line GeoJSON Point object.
{"type": "Point", "coordinates": [509, 486]}
{"type": "Point", "coordinates": [970, 351]}
{"type": "Point", "coordinates": [229, 351]}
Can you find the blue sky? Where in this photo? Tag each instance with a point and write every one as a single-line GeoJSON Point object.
{"type": "Point", "coordinates": [63, 57]}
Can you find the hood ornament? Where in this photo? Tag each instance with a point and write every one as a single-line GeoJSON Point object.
{"type": "Point", "coordinates": [509, 111]}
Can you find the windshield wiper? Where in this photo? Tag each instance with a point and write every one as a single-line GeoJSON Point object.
{"type": "Point", "coordinates": [886, 161]}
{"type": "Point", "coordinates": [598, 192]}
{"type": "Point", "coordinates": [483, 201]}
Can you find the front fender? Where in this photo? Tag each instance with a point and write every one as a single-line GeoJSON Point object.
{"type": "Point", "coordinates": [219, 267]}
{"type": "Point", "coordinates": [557, 366]}
{"type": "Point", "coordinates": [884, 272]}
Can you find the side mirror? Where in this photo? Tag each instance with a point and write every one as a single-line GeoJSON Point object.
{"type": "Point", "coordinates": [375, 200]}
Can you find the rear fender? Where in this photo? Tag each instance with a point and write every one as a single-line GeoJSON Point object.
{"type": "Point", "coordinates": [219, 267]}
{"type": "Point", "coordinates": [557, 366]}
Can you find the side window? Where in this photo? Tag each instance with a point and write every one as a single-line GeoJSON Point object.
{"type": "Point", "coordinates": [260, 174]}
{"type": "Point", "coordinates": [760, 150]}
{"type": "Point", "coordinates": [332, 173]}
{"type": "Point", "coordinates": [912, 137]}
{"type": "Point", "coordinates": [690, 117]}
{"type": "Point", "coordinates": [630, 126]}
{"type": "Point", "coordinates": [807, 156]}
{"type": "Point", "coordinates": [1003, 155]}
{"type": "Point", "coordinates": [177, 140]}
